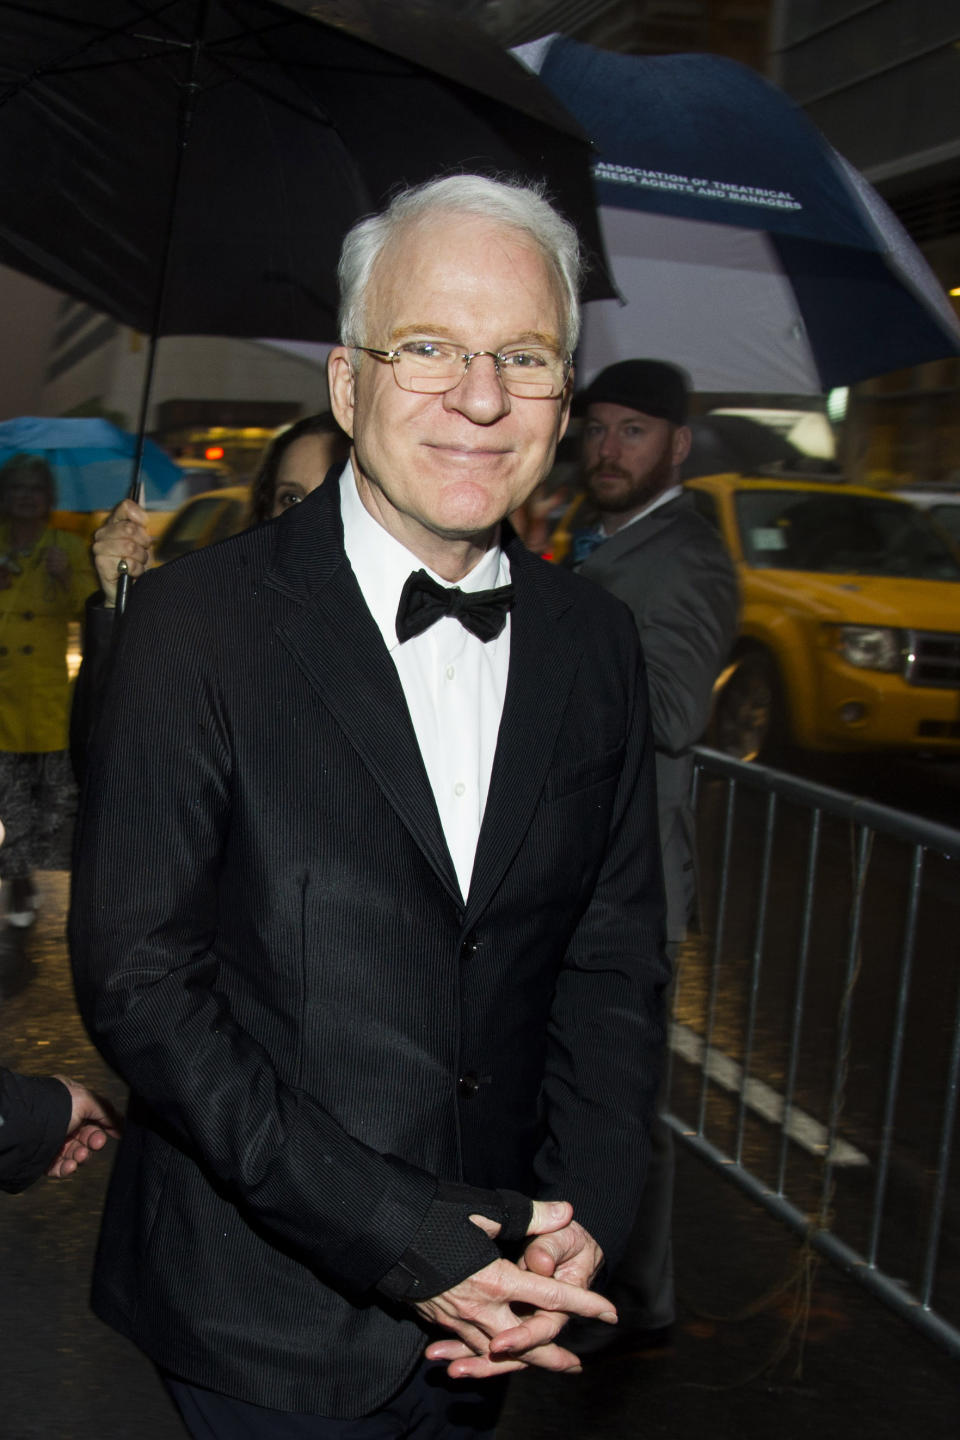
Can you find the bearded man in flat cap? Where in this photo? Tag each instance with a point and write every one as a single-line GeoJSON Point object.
{"type": "Point", "coordinates": [645, 543]}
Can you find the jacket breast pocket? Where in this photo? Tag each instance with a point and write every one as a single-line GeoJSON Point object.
{"type": "Point", "coordinates": [583, 774]}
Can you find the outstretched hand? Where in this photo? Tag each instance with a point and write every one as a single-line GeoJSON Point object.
{"type": "Point", "coordinates": [550, 1281]}
{"type": "Point", "coordinates": [92, 1120]}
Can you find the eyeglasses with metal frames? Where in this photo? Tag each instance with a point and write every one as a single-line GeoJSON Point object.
{"type": "Point", "coordinates": [432, 367]}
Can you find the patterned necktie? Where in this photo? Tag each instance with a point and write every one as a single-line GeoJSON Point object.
{"type": "Point", "coordinates": [583, 545]}
{"type": "Point", "coordinates": [422, 601]}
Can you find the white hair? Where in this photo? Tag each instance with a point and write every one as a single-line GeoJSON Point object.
{"type": "Point", "coordinates": [523, 207]}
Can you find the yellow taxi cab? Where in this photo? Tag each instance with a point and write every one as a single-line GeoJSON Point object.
{"type": "Point", "coordinates": [850, 622]}
{"type": "Point", "coordinates": [200, 520]}
{"type": "Point", "coordinates": [204, 518]}
{"type": "Point", "coordinates": [850, 618]}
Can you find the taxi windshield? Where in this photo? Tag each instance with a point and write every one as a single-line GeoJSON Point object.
{"type": "Point", "coordinates": [838, 534]}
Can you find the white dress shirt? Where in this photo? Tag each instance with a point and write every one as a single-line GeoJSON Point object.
{"type": "Point", "coordinates": [454, 683]}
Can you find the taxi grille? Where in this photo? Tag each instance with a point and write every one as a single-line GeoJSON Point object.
{"type": "Point", "coordinates": [934, 660]}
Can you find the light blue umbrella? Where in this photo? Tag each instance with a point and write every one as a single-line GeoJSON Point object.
{"type": "Point", "coordinates": [91, 460]}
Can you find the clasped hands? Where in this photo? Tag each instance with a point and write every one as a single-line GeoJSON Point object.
{"type": "Point", "coordinates": [550, 1281]}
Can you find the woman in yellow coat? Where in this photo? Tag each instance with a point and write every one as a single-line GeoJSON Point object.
{"type": "Point", "coordinates": [45, 577]}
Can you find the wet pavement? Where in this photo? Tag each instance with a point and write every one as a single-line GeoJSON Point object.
{"type": "Point", "coordinates": [770, 1342]}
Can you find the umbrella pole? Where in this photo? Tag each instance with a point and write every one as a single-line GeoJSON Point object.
{"type": "Point", "coordinates": [185, 120]}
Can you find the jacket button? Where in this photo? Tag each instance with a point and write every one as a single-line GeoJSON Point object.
{"type": "Point", "coordinates": [28, 614]}
{"type": "Point", "coordinates": [4, 650]}
{"type": "Point", "coordinates": [469, 948]}
{"type": "Point", "coordinates": [26, 650]}
{"type": "Point", "coordinates": [468, 1085]}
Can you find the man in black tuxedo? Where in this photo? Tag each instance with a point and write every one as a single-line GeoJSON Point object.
{"type": "Point", "coordinates": [368, 905]}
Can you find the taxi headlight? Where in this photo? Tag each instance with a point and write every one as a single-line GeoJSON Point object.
{"type": "Point", "coordinates": [870, 647]}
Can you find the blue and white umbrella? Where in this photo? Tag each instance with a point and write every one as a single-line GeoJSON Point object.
{"type": "Point", "coordinates": [748, 251]}
{"type": "Point", "coordinates": [91, 460]}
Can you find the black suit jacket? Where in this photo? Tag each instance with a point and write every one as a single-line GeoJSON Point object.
{"type": "Point", "coordinates": [270, 945]}
{"type": "Point", "coordinates": [34, 1116]}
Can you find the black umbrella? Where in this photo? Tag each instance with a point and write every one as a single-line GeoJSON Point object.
{"type": "Point", "coordinates": [191, 166]}
{"type": "Point", "coordinates": [249, 135]}
{"type": "Point", "coordinates": [738, 445]}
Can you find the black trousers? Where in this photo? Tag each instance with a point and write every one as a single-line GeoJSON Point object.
{"type": "Point", "coordinates": [430, 1406]}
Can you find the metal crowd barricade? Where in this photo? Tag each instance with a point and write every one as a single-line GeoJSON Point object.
{"type": "Point", "coordinates": [801, 998]}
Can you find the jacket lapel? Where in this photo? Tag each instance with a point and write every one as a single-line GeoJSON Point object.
{"type": "Point", "coordinates": [545, 651]}
{"type": "Point", "coordinates": [333, 638]}
{"type": "Point", "coordinates": [631, 537]}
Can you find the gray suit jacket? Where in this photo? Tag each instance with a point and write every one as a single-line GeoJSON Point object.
{"type": "Point", "coordinates": [672, 570]}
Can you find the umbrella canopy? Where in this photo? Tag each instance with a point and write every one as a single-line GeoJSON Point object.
{"type": "Point", "coordinates": [90, 459]}
{"type": "Point", "coordinates": [265, 129]}
{"type": "Point", "coordinates": [748, 251]}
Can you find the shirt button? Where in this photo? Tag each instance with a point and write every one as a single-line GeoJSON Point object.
{"type": "Point", "coordinates": [450, 672]}
{"type": "Point", "coordinates": [468, 1086]}
{"type": "Point", "coordinates": [459, 788]}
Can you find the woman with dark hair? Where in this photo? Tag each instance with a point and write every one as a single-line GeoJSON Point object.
{"type": "Point", "coordinates": [294, 463]}
{"type": "Point", "coordinates": [45, 577]}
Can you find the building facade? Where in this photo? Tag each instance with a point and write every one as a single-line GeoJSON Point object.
{"type": "Point", "coordinates": [882, 81]}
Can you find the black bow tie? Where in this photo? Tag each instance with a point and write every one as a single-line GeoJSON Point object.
{"type": "Point", "coordinates": [422, 601]}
